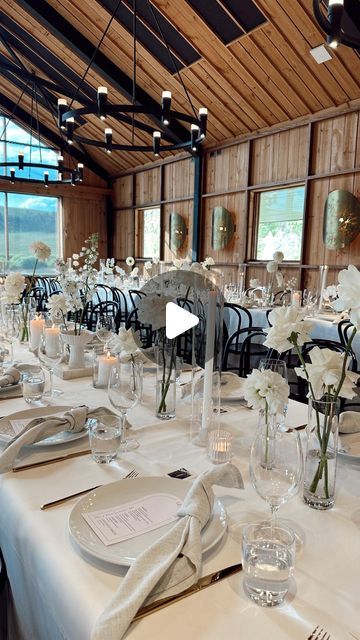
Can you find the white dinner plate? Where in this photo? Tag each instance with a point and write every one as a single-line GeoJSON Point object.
{"type": "Point", "coordinates": [114, 494]}
{"type": "Point", "coordinates": [349, 447]}
{"type": "Point", "coordinates": [6, 431]}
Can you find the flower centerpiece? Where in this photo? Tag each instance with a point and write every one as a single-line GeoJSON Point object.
{"type": "Point", "coordinates": [18, 289]}
{"type": "Point", "coordinates": [267, 391]}
{"type": "Point", "coordinates": [328, 379]}
{"type": "Point", "coordinates": [276, 278]}
{"type": "Point", "coordinates": [77, 287]}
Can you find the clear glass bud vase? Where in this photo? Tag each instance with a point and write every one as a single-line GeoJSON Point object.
{"type": "Point", "coordinates": [321, 451]}
{"type": "Point", "coordinates": [165, 353]}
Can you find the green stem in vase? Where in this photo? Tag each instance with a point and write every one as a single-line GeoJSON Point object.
{"type": "Point", "coordinates": [166, 380]}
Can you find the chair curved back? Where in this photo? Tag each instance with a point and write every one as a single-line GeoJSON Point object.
{"type": "Point", "coordinates": [250, 350]}
{"type": "Point", "coordinates": [121, 299]}
{"type": "Point", "coordinates": [146, 333]}
{"type": "Point", "coordinates": [104, 308]}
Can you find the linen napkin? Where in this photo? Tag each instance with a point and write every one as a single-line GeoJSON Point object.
{"type": "Point", "coordinates": [170, 565]}
{"type": "Point", "coordinates": [349, 422]}
{"type": "Point", "coordinates": [10, 376]}
{"type": "Point", "coordinates": [41, 428]}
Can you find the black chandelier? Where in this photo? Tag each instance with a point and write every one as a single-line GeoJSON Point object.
{"type": "Point", "coordinates": [341, 22]}
{"type": "Point", "coordinates": [68, 117]}
{"type": "Point", "coordinates": [15, 171]}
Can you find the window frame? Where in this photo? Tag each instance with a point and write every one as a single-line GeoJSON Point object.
{"type": "Point", "coordinates": [256, 195]}
{"type": "Point", "coordinates": [139, 231]}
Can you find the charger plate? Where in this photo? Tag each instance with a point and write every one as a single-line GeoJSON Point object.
{"type": "Point", "coordinates": [123, 491]}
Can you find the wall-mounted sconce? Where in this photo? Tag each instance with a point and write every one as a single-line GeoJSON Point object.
{"type": "Point", "coordinates": [341, 219]}
{"type": "Point", "coordinates": [178, 231]}
{"type": "Point", "coordinates": [223, 228]}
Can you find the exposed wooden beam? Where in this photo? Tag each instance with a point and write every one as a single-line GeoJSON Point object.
{"type": "Point", "coordinates": [68, 35]}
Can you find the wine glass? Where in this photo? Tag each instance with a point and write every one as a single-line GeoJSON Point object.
{"type": "Point", "coordinates": [276, 466]}
{"type": "Point", "coordinates": [123, 392]}
{"type": "Point", "coordinates": [50, 352]}
{"type": "Point", "coordinates": [105, 328]}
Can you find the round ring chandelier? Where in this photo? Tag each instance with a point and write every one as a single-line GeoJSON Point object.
{"type": "Point", "coordinates": [127, 113]}
{"type": "Point", "coordinates": [333, 23]}
{"type": "Point", "coordinates": [15, 171]}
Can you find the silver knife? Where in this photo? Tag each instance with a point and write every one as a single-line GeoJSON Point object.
{"type": "Point", "coordinates": [203, 583]}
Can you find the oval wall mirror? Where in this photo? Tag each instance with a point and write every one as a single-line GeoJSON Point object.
{"type": "Point", "coordinates": [178, 231]}
{"type": "Point", "coordinates": [341, 219]}
{"type": "Point", "coordinates": [222, 228]}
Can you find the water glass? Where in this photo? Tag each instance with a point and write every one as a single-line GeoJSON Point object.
{"type": "Point", "coordinates": [33, 386]}
{"type": "Point", "coordinates": [104, 440]}
{"type": "Point", "coordinates": [268, 562]}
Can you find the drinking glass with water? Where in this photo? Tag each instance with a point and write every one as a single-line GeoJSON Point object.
{"type": "Point", "coordinates": [33, 386]}
{"type": "Point", "coordinates": [268, 562]}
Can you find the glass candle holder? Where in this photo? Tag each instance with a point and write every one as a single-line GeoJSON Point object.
{"type": "Point", "coordinates": [102, 365]}
{"type": "Point", "coordinates": [296, 298]}
{"type": "Point", "coordinates": [219, 446]}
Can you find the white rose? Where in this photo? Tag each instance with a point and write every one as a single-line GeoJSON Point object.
{"type": "Point", "coordinates": [266, 387]}
{"type": "Point", "coordinates": [288, 327]}
{"type": "Point", "coordinates": [324, 373]}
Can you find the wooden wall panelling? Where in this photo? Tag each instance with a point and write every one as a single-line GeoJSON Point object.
{"type": "Point", "coordinates": [235, 203]}
{"type": "Point", "coordinates": [81, 218]}
{"type": "Point", "coordinates": [179, 179]}
{"type": "Point", "coordinates": [276, 159]}
{"type": "Point", "coordinates": [122, 191]}
{"type": "Point", "coordinates": [123, 241]}
{"type": "Point", "coordinates": [226, 169]}
{"type": "Point", "coordinates": [147, 189]}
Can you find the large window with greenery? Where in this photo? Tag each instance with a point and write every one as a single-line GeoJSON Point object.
{"type": "Point", "coordinates": [26, 218]}
{"type": "Point", "coordinates": [280, 223]}
{"type": "Point", "coordinates": [149, 232]}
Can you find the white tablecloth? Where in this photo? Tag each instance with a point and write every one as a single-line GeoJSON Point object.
{"type": "Point", "coordinates": [56, 594]}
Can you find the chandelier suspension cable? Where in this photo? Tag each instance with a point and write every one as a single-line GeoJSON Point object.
{"type": "Point", "coordinates": [172, 59]}
{"type": "Point", "coordinates": [94, 54]}
{"type": "Point", "coordinates": [37, 121]}
{"type": "Point", "coordinates": [13, 110]}
{"type": "Point", "coordinates": [134, 70]}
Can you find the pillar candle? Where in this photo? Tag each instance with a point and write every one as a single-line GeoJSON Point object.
{"type": "Point", "coordinates": [296, 298]}
{"type": "Point", "coordinates": [52, 335]}
{"type": "Point", "coordinates": [37, 325]}
{"type": "Point", "coordinates": [106, 363]}
{"type": "Point", "coordinates": [323, 278]}
{"type": "Point", "coordinates": [209, 361]}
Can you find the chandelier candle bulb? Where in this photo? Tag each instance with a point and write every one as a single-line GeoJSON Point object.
{"type": "Point", "coordinates": [156, 142]}
{"type": "Point", "coordinates": [62, 108]}
{"type": "Point", "coordinates": [12, 176]}
{"type": "Point", "coordinates": [166, 107]}
{"type": "Point", "coordinates": [80, 169]}
{"type": "Point", "coordinates": [21, 161]}
{"type": "Point", "coordinates": [203, 114]}
{"type": "Point", "coordinates": [37, 326]}
{"type": "Point", "coordinates": [51, 340]}
{"type": "Point", "coordinates": [46, 179]}
{"type": "Point", "coordinates": [70, 122]}
{"type": "Point", "coordinates": [335, 14]}
{"type": "Point", "coordinates": [108, 140]}
{"type": "Point", "coordinates": [195, 130]}
{"type": "Point", "coordinates": [101, 101]}
{"type": "Point", "coordinates": [106, 363]}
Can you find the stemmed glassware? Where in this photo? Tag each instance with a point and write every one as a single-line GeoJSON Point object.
{"type": "Point", "coordinates": [276, 466]}
{"type": "Point", "coordinates": [123, 392]}
{"type": "Point", "coordinates": [105, 328]}
{"type": "Point", "coordinates": [49, 354]}
{"type": "Point", "coordinates": [11, 327]}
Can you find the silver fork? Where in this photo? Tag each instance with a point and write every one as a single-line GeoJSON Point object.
{"type": "Point", "coordinates": [132, 474]}
{"type": "Point", "coordinates": [319, 634]}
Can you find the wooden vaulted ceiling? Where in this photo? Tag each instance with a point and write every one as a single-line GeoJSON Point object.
{"type": "Point", "coordinates": [252, 70]}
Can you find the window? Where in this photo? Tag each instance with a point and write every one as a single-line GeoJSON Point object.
{"type": "Point", "coordinates": [149, 233]}
{"type": "Point", "coordinates": [25, 218]}
{"type": "Point", "coordinates": [280, 223]}
{"type": "Point", "coordinates": [28, 219]}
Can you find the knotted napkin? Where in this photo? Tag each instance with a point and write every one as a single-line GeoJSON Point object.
{"type": "Point", "coordinates": [10, 376]}
{"type": "Point", "coordinates": [170, 565]}
{"type": "Point", "coordinates": [41, 428]}
{"type": "Point", "coordinates": [349, 422]}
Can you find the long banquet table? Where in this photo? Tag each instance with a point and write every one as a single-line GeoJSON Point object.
{"type": "Point", "coordinates": [56, 594]}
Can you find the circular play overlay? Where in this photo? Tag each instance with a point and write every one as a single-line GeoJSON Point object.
{"type": "Point", "coordinates": [193, 292]}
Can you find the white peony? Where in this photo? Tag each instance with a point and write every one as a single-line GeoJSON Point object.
{"type": "Point", "coordinates": [288, 328]}
{"type": "Point", "coordinates": [349, 294]}
{"type": "Point", "coordinates": [278, 256]}
{"type": "Point", "coordinates": [130, 261]}
{"type": "Point", "coordinates": [123, 342]}
{"type": "Point", "coordinates": [271, 266]}
{"type": "Point", "coordinates": [40, 250]}
{"type": "Point", "coordinates": [324, 374]}
{"type": "Point", "coordinates": [266, 388]}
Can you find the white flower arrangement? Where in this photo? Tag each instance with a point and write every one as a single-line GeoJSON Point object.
{"type": "Point", "coordinates": [208, 263]}
{"type": "Point", "coordinates": [40, 250]}
{"type": "Point", "coordinates": [266, 390]}
{"type": "Point", "coordinates": [324, 374]}
{"type": "Point", "coordinates": [57, 307]}
{"type": "Point", "coordinates": [151, 309]}
{"type": "Point", "coordinates": [148, 265]}
{"type": "Point", "coordinates": [134, 273]}
{"type": "Point", "coordinates": [130, 261]}
{"type": "Point", "coordinates": [14, 286]}
{"type": "Point", "coordinates": [288, 328]}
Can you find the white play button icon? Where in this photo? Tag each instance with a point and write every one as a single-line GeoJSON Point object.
{"type": "Point", "coordinates": [178, 320]}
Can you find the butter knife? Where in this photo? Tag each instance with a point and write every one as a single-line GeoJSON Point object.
{"type": "Point", "coordinates": [203, 583]}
